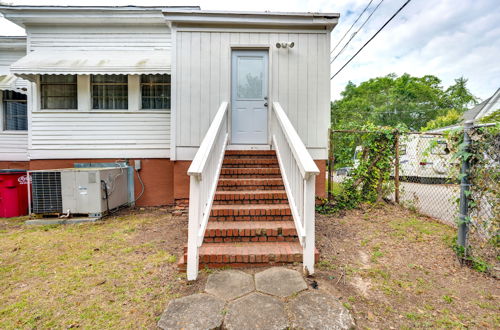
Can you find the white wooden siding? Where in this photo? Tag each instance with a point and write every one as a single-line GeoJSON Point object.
{"type": "Point", "coordinates": [13, 147]}
{"type": "Point", "coordinates": [7, 57]}
{"type": "Point", "coordinates": [87, 133]}
{"type": "Point", "coordinates": [99, 135]}
{"type": "Point", "coordinates": [299, 81]}
{"type": "Point", "coordinates": [88, 37]}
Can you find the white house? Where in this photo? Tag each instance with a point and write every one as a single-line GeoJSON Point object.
{"type": "Point", "coordinates": [177, 87]}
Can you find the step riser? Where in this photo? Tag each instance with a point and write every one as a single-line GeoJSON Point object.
{"type": "Point", "coordinates": [250, 187]}
{"type": "Point", "coordinates": [251, 198]}
{"type": "Point", "coordinates": [249, 153]}
{"type": "Point", "coordinates": [242, 172]}
{"type": "Point", "coordinates": [229, 166]}
{"type": "Point", "coordinates": [250, 259]}
{"type": "Point", "coordinates": [250, 202]}
{"type": "Point", "coordinates": [250, 239]}
{"type": "Point", "coordinates": [250, 176]}
{"type": "Point", "coordinates": [251, 218]}
{"type": "Point", "coordinates": [250, 212]}
{"type": "Point", "coordinates": [244, 157]}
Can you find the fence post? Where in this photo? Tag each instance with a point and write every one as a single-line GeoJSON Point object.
{"type": "Point", "coordinates": [330, 163]}
{"type": "Point", "coordinates": [396, 167]}
{"type": "Point", "coordinates": [463, 226]}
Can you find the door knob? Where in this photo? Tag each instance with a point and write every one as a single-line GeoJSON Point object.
{"type": "Point", "coordinates": [265, 104]}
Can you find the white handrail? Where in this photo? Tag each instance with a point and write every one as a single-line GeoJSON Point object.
{"type": "Point", "coordinates": [201, 157]}
{"type": "Point", "coordinates": [304, 160]}
{"type": "Point", "coordinates": [299, 176]}
{"type": "Point", "coordinates": [204, 174]}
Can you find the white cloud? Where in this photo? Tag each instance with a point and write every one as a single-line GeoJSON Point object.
{"type": "Point", "coordinates": [446, 38]}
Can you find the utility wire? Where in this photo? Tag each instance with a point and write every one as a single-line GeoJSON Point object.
{"type": "Point", "coordinates": [355, 33]}
{"type": "Point", "coordinates": [357, 19]}
{"type": "Point", "coordinates": [383, 26]}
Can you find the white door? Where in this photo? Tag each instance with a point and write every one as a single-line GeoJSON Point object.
{"type": "Point", "coordinates": [249, 96]}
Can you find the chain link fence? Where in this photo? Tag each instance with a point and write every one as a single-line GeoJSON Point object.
{"type": "Point", "coordinates": [425, 174]}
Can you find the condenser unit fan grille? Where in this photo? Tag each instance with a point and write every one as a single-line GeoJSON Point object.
{"type": "Point", "coordinates": [47, 197]}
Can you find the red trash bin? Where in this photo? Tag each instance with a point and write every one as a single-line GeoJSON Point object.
{"type": "Point", "coordinates": [13, 193]}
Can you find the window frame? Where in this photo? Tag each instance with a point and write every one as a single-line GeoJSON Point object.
{"type": "Point", "coordinates": [40, 89]}
{"type": "Point", "coordinates": [91, 92]}
{"type": "Point", "coordinates": [3, 121]}
{"type": "Point", "coordinates": [141, 107]}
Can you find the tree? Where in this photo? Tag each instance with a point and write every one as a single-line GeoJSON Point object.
{"type": "Point", "coordinates": [452, 117]}
{"type": "Point", "coordinates": [399, 101]}
{"type": "Point", "coordinates": [459, 96]}
{"type": "Point", "coordinates": [494, 117]}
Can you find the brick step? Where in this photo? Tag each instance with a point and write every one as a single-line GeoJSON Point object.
{"type": "Point", "coordinates": [250, 197]}
{"type": "Point", "coordinates": [250, 162]}
{"type": "Point", "coordinates": [253, 254]}
{"type": "Point", "coordinates": [250, 172]}
{"type": "Point", "coordinates": [250, 231]}
{"type": "Point", "coordinates": [242, 157]}
{"type": "Point", "coordinates": [253, 212]}
{"type": "Point", "coordinates": [249, 153]}
{"type": "Point", "coordinates": [236, 184]}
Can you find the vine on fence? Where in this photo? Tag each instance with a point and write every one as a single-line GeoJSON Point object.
{"type": "Point", "coordinates": [483, 196]}
{"type": "Point", "coordinates": [370, 178]}
{"type": "Point", "coordinates": [484, 177]}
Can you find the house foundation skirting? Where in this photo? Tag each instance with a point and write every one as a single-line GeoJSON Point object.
{"type": "Point", "coordinates": [166, 182]}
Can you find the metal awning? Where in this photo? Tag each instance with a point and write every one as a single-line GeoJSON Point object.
{"type": "Point", "coordinates": [13, 83]}
{"type": "Point", "coordinates": [93, 62]}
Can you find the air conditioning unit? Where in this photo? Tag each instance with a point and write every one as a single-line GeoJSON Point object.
{"type": "Point", "coordinates": [91, 191]}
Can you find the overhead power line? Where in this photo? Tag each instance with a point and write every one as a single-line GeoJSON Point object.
{"type": "Point", "coordinates": [357, 19]}
{"type": "Point", "coordinates": [366, 43]}
{"type": "Point", "coordinates": [359, 29]}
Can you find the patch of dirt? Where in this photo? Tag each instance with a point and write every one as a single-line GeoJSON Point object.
{"type": "Point", "coordinates": [394, 268]}
{"type": "Point", "coordinates": [169, 233]}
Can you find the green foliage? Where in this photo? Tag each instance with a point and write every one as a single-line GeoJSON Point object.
{"type": "Point", "coordinates": [451, 117]}
{"type": "Point", "coordinates": [493, 118]}
{"type": "Point", "coordinates": [369, 180]}
{"type": "Point", "coordinates": [466, 257]}
{"type": "Point", "coordinates": [483, 155]}
{"type": "Point", "coordinates": [399, 101]}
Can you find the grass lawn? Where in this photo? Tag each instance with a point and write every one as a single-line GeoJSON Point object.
{"type": "Point", "coordinates": [114, 274]}
{"type": "Point", "coordinates": [390, 267]}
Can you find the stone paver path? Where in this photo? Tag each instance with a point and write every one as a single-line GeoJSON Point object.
{"type": "Point", "coordinates": [276, 298]}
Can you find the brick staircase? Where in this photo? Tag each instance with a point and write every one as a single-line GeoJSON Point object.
{"type": "Point", "coordinates": [250, 222]}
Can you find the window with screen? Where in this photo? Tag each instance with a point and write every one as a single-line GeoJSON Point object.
{"type": "Point", "coordinates": [155, 91]}
{"type": "Point", "coordinates": [109, 91]}
{"type": "Point", "coordinates": [58, 91]}
{"type": "Point", "coordinates": [15, 113]}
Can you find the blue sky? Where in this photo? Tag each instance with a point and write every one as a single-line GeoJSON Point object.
{"type": "Point", "coordinates": [446, 38]}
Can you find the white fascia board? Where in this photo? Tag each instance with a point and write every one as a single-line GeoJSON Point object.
{"type": "Point", "coordinates": [328, 20]}
{"type": "Point", "coordinates": [26, 15]}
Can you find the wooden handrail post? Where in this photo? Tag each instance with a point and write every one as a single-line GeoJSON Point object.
{"type": "Point", "coordinates": [193, 227]}
{"type": "Point", "coordinates": [330, 163]}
